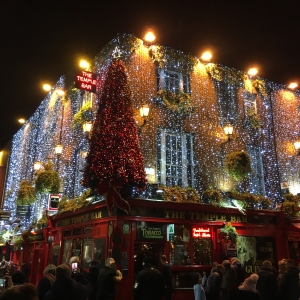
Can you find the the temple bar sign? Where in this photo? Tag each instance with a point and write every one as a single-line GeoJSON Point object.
{"type": "Point", "coordinates": [86, 81]}
{"type": "Point", "coordinates": [80, 218]}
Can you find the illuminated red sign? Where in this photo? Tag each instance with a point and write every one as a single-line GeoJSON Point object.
{"type": "Point", "coordinates": [200, 232]}
{"type": "Point", "coordinates": [86, 81]}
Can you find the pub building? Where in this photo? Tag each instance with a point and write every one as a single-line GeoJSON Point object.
{"type": "Point", "coordinates": [188, 234]}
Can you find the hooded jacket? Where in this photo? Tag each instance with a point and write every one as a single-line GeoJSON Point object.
{"type": "Point", "coordinates": [267, 284]}
{"type": "Point", "coordinates": [213, 283]}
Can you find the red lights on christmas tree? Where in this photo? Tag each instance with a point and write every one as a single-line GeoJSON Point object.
{"type": "Point", "coordinates": [115, 156]}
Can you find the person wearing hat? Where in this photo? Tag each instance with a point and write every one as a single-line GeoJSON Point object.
{"type": "Point", "coordinates": [46, 282]}
{"type": "Point", "coordinates": [149, 284]}
{"type": "Point", "coordinates": [267, 282]}
{"type": "Point", "coordinates": [247, 290]}
{"type": "Point", "coordinates": [240, 272]}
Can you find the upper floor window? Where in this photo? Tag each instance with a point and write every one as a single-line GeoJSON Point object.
{"type": "Point", "coordinates": [87, 99]}
{"type": "Point", "coordinates": [173, 81]}
{"type": "Point", "coordinates": [175, 158]}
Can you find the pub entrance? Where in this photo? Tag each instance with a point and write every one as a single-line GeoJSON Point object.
{"type": "Point", "coordinates": [155, 250]}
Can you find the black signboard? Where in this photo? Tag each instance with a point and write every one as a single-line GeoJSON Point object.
{"type": "Point", "coordinates": [23, 211]}
{"type": "Point", "coordinates": [149, 231]}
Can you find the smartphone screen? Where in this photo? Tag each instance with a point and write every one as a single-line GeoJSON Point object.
{"type": "Point", "coordinates": [3, 282]}
{"type": "Point", "coordinates": [74, 266]}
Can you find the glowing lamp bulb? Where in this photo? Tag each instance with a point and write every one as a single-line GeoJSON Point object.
{"type": "Point", "coordinates": [47, 87]}
{"type": "Point", "coordinates": [58, 149]}
{"type": "Point", "coordinates": [206, 56]}
{"type": "Point", "coordinates": [297, 145]}
{"type": "Point", "coordinates": [84, 64]}
{"type": "Point", "coordinates": [292, 85]}
{"type": "Point", "coordinates": [37, 165]}
{"type": "Point", "coordinates": [87, 126]}
{"type": "Point", "coordinates": [60, 92]}
{"type": "Point", "coordinates": [252, 71]}
{"type": "Point", "coordinates": [21, 121]}
{"type": "Point", "coordinates": [149, 37]}
{"type": "Point", "coordinates": [228, 129]}
{"type": "Point", "coordinates": [144, 111]}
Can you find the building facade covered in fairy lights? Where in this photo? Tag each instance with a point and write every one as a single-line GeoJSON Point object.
{"type": "Point", "coordinates": [185, 150]}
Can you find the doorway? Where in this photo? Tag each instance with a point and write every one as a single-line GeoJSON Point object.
{"type": "Point", "coordinates": [155, 250]}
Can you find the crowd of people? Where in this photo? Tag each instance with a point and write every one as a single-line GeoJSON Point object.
{"type": "Point", "coordinates": [228, 281]}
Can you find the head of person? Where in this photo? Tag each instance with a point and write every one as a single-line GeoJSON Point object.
{"type": "Point", "coordinates": [290, 263]}
{"type": "Point", "coordinates": [226, 264]}
{"type": "Point", "coordinates": [50, 269]}
{"type": "Point", "coordinates": [63, 271]}
{"type": "Point", "coordinates": [204, 273]}
{"type": "Point", "coordinates": [18, 278]}
{"type": "Point", "coordinates": [26, 291]}
{"type": "Point", "coordinates": [147, 261]}
{"type": "Point", "coordinates": [220, 269]}
{"type": "Point", "coordinates": [110, 262]}
{"type": "Point", "coordinates": [163, 259]}
{"type": "Point", "coordinates": [250, 283]}
{"type": "Point", "coordinates": [295, 245]}
{"type": "Point", "coordinates": [282, 265]}
{"type": "Point", "coordinates": [94, 263]}
{"type": "Point", "coordinates": [214, 265]}
{"type": "Point", "coordinates": [74, 259]}
{"type": "Point", "coordinates": [267, 265]}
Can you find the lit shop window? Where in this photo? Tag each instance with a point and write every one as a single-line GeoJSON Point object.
{"type": "Point", "coordinates": [180, 246]}
{"type": "Point", "coordinates": [202, 245]}
{"type": "Point", "coordinates": [173, 81]}
{"type": "Point", "coordinates": [175, 158]}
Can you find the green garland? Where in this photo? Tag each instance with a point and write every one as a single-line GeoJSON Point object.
{"type": "Point", "coordinates": [213, 197]}
{"type": "Point", "coordinates": [71, 205]}
{"type": "Point", "coordinates": [47, 180]}
{"type": "Point", "coordinates": [26, 193]}
{"type": "Point", "coordinates": [290, 209]}
{"type": "Point", "coordinates": [178, 194]}
{"type": "Point", "coordinates": [228, 233]}
{"type": "Point", "coordinates": [85, 114]}
{"type": "Point", "coordinates": [18, 242]}
{"type": "Point", "coordinates": [261, 86]}
{"type": "Point", "coordinates": [180, 103]}
{"type": "Point", "coordinates": [253, 119]}
{"type": "Point", "coordinates": [238, 165]}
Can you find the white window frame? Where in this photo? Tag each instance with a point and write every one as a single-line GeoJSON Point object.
{"type": "Point", "coordinates": [163, 74]}
{"type": "Point", "coordinates": [184, 159]}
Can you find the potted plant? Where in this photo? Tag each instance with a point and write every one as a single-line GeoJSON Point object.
{"type": "Point", "coordinates": [228, 233]}
{"type": "Point", "coordinates": [26, 193]}
{"type": "Point", "coordinates": [238, 165]}
{"type": "Point", "coordinates": [47, 180]}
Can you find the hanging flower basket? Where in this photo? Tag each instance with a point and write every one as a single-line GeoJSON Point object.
{"type": "Point", "coordinates": [18, 242]}
{"type": "Point", "coordinates": [213, 197]}
{"type": "Point", "coordinates": [26, 193]}
{"type": "Point", "coordinates": [238, 165]}
{"type": "Point", "coordinates": [85, 114]}
{"type": "Point", "coordinates": [253, 120]}
{"type": "Point", "coordinates": [228, 233]}
{"type": "Point", "coordinates": [47, 180]}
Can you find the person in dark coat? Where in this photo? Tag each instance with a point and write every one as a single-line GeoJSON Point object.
{"type": "Point", "coordinates": [239, 270]}
{"type": "Point", "coordinates": [92, 278]}
{"type": "Point", "coordinates": [107, 279]}
{"type": "Point", "coordinates": [247, 290]}
{"type": "Point", "coordinates": [149, 284]}
{"type": "Point", "coordinates": [289, 289]}
{"type": "Point", "coordinates": [66, 288]}
{"type": "Point", "coordinates": [167, 274]}
{"type": "Point", "coordinates": [46, 282]}
{"type": "Point", "coordinates": [229, 282]}
{"type": "Point", "coordinates": [267, 282]}
{"type": "Point", "coordinates": [213, 284]}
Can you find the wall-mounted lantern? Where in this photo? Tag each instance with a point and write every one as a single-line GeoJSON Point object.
{"type": "Point", "coordinates": [58, 149]}
{"type": "Point", "coordinates": [228, 130]}
{"type": "Point", "coordinates": [87, 127]}
{"type": "Point", "coordinates": [37, 165]}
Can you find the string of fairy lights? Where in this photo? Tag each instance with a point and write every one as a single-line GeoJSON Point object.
{"type": "Point", "coordinates": [51, 124]}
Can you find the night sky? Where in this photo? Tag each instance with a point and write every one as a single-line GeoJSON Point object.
{"type": "Point", "coordinates": [42, 40]}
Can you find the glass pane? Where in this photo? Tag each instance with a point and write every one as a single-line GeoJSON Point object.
{"type": "Point", "coordinates": [173, 171]}
{"type": "Point", "coordinates": [202, 251]}
{"type": "Point", "coordinates": [168, 156]}
{"type": "Point", "coordinates": [168, 170]}
{"type": "Point", "coordinates": [87, 252]}
{"type": "Point", "coordinates": [174, 142]}
{"type": "Point", "coordinates": [55, 254]}
{"type": "Point", "coordinates": [174, 158]}
{"type": "Point", "coordinates": [67, 251]}
{"type": "Point", "coordinates": [76, 251]}
{"type": "Point", "coordinates": [99, 251]}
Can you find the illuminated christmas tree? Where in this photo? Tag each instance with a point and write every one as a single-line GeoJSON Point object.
{"type": "Point", "coordinates": [115, 158]}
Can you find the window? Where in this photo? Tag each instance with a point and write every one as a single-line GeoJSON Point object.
{"type": "Point", "coordinates": [227, 101]}
{"type": "Point", "coordinates": [87, 99]}
{"type": "Point", "coordinates": [249, 101]}
{"type": "Point", "coordinates": [175, 158]}
{"type": "Point", "coordinates": [257, 185]}
{"type": "Point", "coordinates": [173, 81]}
